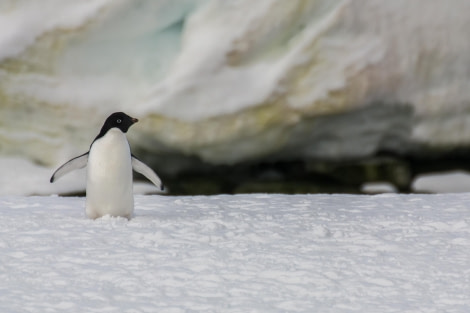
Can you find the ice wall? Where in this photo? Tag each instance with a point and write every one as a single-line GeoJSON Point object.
{"type": "Point", "coordinates": [229, 81]}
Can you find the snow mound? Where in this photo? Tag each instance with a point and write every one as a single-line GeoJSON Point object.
{"type": "Point", "coordinates": [245, 253]}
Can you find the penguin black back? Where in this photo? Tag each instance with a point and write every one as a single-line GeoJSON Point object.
{"type": "Point", "coordinates": [119, 120]}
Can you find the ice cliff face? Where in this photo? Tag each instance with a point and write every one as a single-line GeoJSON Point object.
{"type": "Point", "coordinates": [236, 80]}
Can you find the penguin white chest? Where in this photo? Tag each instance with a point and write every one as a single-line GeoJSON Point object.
{"type": "Point", "coordinates": [109, 177]}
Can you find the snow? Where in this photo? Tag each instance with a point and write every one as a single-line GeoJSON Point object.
{"type": "Point", "coordinates": [378, 187]}
{"type": "Point", "coordinates": [22, 23]}
{"type": "Point", "coordinates": [445, 182]}
{"type": "Point", "coordinates": [244, 253]}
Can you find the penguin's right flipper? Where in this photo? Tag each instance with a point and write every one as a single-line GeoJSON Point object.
{"type": "Point", "coordinates": [73, 164]}
{"type": "Point", "coordinates": [144, 169]}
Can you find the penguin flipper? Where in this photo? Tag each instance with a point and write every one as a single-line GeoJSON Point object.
{"type": "Point", "coordinates": [144, 169]}
{"type": "Point", "coordinates": [73, 164]}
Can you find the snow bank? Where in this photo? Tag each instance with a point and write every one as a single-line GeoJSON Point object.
{"type": "Point", "coordinates": [247, 253]}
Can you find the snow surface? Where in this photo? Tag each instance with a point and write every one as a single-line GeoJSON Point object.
{"type": "Point", "coordinates": [245, 253]}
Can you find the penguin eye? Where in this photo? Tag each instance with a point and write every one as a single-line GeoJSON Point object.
{"type": "Point", "coordinates": [118, 121]}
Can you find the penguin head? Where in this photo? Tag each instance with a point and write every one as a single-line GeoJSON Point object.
{"type": "Point", "coordinates": [118, 120]}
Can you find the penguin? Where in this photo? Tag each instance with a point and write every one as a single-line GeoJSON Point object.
{"type": "Point", "coordinates": [109, 161]}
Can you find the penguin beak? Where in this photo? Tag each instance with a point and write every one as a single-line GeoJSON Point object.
{"type": "Point", "coordinates": [134, 120]}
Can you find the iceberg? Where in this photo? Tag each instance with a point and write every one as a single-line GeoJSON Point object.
{"type": "Point", "coordinates": [235, 81]}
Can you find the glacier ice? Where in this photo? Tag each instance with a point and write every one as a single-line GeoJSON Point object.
{"type": "Point", "coordinates": [229, 81]}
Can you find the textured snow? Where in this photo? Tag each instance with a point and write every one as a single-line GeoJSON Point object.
{"type": "Point", "coordinates": [245, 253]}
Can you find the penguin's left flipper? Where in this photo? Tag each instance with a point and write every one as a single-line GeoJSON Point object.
{"type": "Point", "coordinates": [144, 169]}
{"type": "Point", "coordinates": [71, 165]}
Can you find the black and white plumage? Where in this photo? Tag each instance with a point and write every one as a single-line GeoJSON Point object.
{"type": "Point", "coordinates": [109, 188]}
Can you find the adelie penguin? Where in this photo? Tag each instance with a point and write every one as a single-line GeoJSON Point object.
{"type": "Point", "coordinates": [109, 164]}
